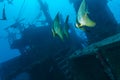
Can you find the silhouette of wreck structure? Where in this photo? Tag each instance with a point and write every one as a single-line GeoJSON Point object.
{"type": "Point", "coordinates": [46, 58]}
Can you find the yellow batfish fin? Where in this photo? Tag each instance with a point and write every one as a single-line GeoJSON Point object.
{"type": "Point", "coordinates": [88, 21]}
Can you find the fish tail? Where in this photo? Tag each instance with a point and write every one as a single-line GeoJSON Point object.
{"type": "Point", "coordinates": [53, 32]}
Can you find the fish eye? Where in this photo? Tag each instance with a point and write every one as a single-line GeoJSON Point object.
{"type": "Point", "coordinates": [78, 25]}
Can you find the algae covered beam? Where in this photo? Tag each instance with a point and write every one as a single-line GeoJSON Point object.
{"type": "Point", "coordinates": [104, 54]}
{"type": "Point", "coordinates": [108, 42]}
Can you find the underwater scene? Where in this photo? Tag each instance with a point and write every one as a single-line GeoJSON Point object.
{"type": "Point", "coordinates": [59, 40]}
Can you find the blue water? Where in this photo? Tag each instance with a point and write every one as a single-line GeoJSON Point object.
{"type": "Point", "coordinates": [30, 10]}
{"type": "Point", "coordinates": [113, 5]}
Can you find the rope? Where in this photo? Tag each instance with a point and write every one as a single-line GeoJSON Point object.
{"type": "Point", "coordinates": [21, 9]}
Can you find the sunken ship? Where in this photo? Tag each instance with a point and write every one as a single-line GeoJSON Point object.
{"type": "Point", "coordinates": [45, 58]}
